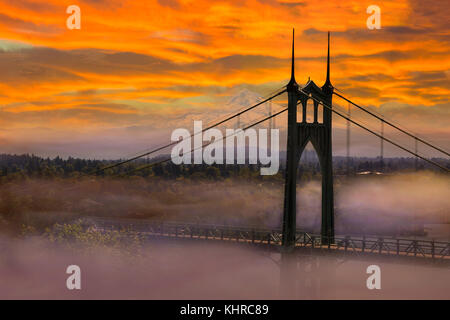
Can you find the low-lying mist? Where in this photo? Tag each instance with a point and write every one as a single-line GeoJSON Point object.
{"type": "Point", "coordinates": [33, 269]}
{"type": "Point", "coordinates": [35, 253]}
{"type": "Point", "coordinates": [363, 203]}
{"type": "Point", "coordinates": [396, 201]}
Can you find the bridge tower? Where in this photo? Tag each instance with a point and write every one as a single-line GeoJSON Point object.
{"type": "Point", "coordinates": [300, 132]}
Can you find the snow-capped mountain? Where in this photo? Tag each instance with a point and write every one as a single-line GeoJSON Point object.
{"type": "Point", "coordinates": [244, 99]}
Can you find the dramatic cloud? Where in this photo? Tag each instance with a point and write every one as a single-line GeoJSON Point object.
{"type": "Point", "coordinates": [152, 63]}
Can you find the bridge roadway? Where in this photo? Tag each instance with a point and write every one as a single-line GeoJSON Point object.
{"type": "Point", "coordinates": [413, 250]}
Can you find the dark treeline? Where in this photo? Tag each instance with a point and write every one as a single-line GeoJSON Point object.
{"type": "Point", "coordinates": [31, 166]}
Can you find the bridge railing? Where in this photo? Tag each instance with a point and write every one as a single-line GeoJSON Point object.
{"type": "Point", "coordinates": [190, 230]}
{"type": "Point", "coordinates": [380, 245]}
{"type": "Point", "coordinates": [346, 244]}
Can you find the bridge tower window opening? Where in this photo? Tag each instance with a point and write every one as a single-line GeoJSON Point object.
{"type": "Point", "coordinates": [301, 112]}
{"type": "Point", "coordinates": [320, 110]}
{"type": "Point", "coordinates": [311, 115]}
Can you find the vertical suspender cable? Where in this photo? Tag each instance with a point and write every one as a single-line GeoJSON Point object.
{"type": "Point", "coordinates": [348, 138]}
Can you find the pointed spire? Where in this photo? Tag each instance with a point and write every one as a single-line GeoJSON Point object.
{"type": "Point", "coordinates": [328, 82]}
{"type": "Point", "coordinates": [292, 81]}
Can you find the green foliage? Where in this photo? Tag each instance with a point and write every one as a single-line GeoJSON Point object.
{"type": "Point", "coordinates": [77, 237]}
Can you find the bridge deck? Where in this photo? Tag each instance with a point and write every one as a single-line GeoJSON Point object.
{"type": "Point", "coordinates": [438, 251]}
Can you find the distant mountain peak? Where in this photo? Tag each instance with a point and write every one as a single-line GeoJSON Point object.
{"type": "Point", "coordinates": [244, 98]}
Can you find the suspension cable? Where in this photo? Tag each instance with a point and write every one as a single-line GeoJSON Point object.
{"type": "Point", "coordinates": [392, 125]}
{"type": "Point", "coordinates": [210, 142]}
{"type": "Point", "coordinates": [374, 133]}
{"type": "Point", "coordinates": [192, 135]}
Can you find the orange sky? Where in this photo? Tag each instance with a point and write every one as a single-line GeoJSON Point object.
{"type": "Point", "coordinates": [141, 66]}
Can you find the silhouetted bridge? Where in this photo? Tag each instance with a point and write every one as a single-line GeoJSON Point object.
{"type": "Point", "coordinates": [271, 239]}
{"type": "Point", "coordinates": [300, 131]}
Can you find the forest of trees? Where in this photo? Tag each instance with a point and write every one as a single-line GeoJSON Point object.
{"type": "Point", "coordinates": [31, 166]}
{"type": "Point", "coordinates": [219, 193]}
